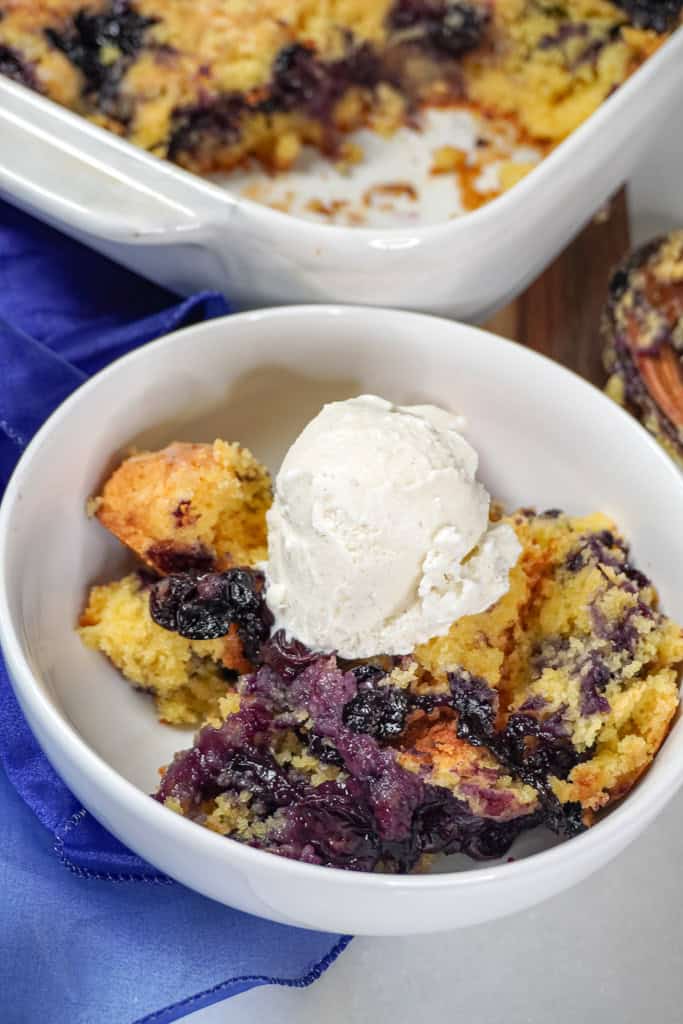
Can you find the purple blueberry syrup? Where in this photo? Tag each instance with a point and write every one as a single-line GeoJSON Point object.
{"type": "Point", "coordinates": [375, 813]}
{"type": "Point", "coordinates": [287, 657]}
{"type": "Point", "coordinates": [169, 556]}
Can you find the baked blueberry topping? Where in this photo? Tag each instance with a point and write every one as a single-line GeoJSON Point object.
{"type": "Point", "coordinates": [658, 15]}
{"type": "Point", "coordinates": [378, 712]}
{"type": "Point", "coordinates": [477, 705]}
{"type": "Point", "coordinates": [451, 28]}
{"type": "Point", "coordinates": [204, 606]}
{"type": "Point", "coordinates": [216, 118]}
{"type": "Point", "coordinates": [301, 81]}
{"type": "Point", "coordinates": [601, 548]}
{"type": "Point", "coordinates": [533, 749]}
{"type": "Point", "coordinates": [199, 773]}
{"type": "Point", "coordinates": [375, 813]}
{"type": "Point", "coordinates": [103, 46]}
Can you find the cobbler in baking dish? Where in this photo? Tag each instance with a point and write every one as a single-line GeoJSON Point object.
{"type": "Point", "coordinates": [209, 83]}
{"type": "Point", "coordinates": [542, 709]}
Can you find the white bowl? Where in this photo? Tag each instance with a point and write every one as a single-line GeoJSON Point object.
{"type": "Point", "coordinates": [546, 438]}
{"type": "Point", "coordinates": [188, 233]}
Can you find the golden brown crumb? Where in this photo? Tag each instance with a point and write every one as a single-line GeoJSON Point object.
{"type": "Point", "coordinates": [447, 159]}
{"type": "Point", "coordinates": [189, 505]}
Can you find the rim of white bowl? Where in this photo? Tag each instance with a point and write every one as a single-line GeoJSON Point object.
{"type": "Point", "coordinates": [642, 803]}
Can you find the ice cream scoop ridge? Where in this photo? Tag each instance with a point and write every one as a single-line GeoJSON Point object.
{"type": "Point", "coordinates": [379, 535]}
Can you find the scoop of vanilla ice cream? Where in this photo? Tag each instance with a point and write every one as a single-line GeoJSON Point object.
{"type": "Point", "coordinates": [379, 536]}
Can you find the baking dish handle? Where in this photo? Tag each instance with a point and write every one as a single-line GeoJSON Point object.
{"type": "Point", "coordinates": [70, 171]}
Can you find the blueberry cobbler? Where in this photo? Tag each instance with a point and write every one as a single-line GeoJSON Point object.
{"type": "Point", "coordinates": [208, 83]}
{"type": "Point", "coordinates": [541, 679]}
{"type": "Point", "coordinates": [643, 334]}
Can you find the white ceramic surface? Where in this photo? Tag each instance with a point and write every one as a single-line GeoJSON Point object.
{"type": "Point", "coordinates": [545, 438]}
{"type": "Point", "coordinates": [393, 185]}
{"type": "Point", "coordinates": [189, 234]}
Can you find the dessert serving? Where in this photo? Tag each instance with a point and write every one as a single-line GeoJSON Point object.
{"type": "Point", "coordinates": [210, 83]}
{"type": "Point", "coordinates": [382, 664]}
{"type": "Point", "coordinates": [643, 334]}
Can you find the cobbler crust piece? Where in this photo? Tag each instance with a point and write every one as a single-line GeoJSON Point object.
{"type": "Point", "coordinates": [431, 747]}
{"type": "Point", "coordinates": [642, 329]}
{"type": "Point", "coordinates": [187, 677]}
{"type": "Point", "coordinates": [209, 83]}
{"type": "Point", "coordinates": [572, 677]}
{"type": "Point", "coordinates": [189, 506]}
{"type": "Point", "coordinates": [541, 710]}
{"type": "Point", "coordinates": [183, 637]}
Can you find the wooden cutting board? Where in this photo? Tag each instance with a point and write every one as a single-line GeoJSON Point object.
{"type": "Point", "coordinates": [559, 313]}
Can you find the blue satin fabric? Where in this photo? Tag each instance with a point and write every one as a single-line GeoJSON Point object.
{"type": "Point", "coordinates": [110, 939]}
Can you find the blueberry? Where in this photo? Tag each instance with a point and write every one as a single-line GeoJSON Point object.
{"type": "Point", "coordinates": [594, 679]}
{"type": "Point", "coordinates": [574, 561]}
{"type": "Point", "coordinates": [166, 596]}
{"type": "Point", "coordinates": [86, 35]}
{"type": "Point", "coordinates": [452, 28]}
{"type": "Point", "coordinates": [257, 772]}
{"type": "Point", "coordinates": [637, 577]}
{"type": "Point", "coordinates": [286, 656]}
{"type": "Point", "coordinates": [12, 66]}
{"type": "Point", "coordinates": [205, 606]}
{"type": "Point", "coordinates": [168, 556]}
{"type": "Point", "coordinates": [658, 15]}
{"type": "Point", "coordinates": [219, 118]}
{"type": "Point", "coordinates": [380, 712]}
{"type": "Point", "coordinates": [367, 675]}
{"type": "Point", "coordinates": [324, 749]}
{"type": "Point", "coordinates": [476, 703]}
{"type": "Point", "coordinates": [301, 81]}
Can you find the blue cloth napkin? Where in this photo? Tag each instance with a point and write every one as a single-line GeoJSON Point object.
{"type": "Point", "coordinates": [88, 930]}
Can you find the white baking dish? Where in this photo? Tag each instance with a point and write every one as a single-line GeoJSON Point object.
{"type": "Point", "coordinates": [190, 234]}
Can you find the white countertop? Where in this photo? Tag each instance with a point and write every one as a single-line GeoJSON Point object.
{"type": "Point", "coordinates": [608, 950]}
